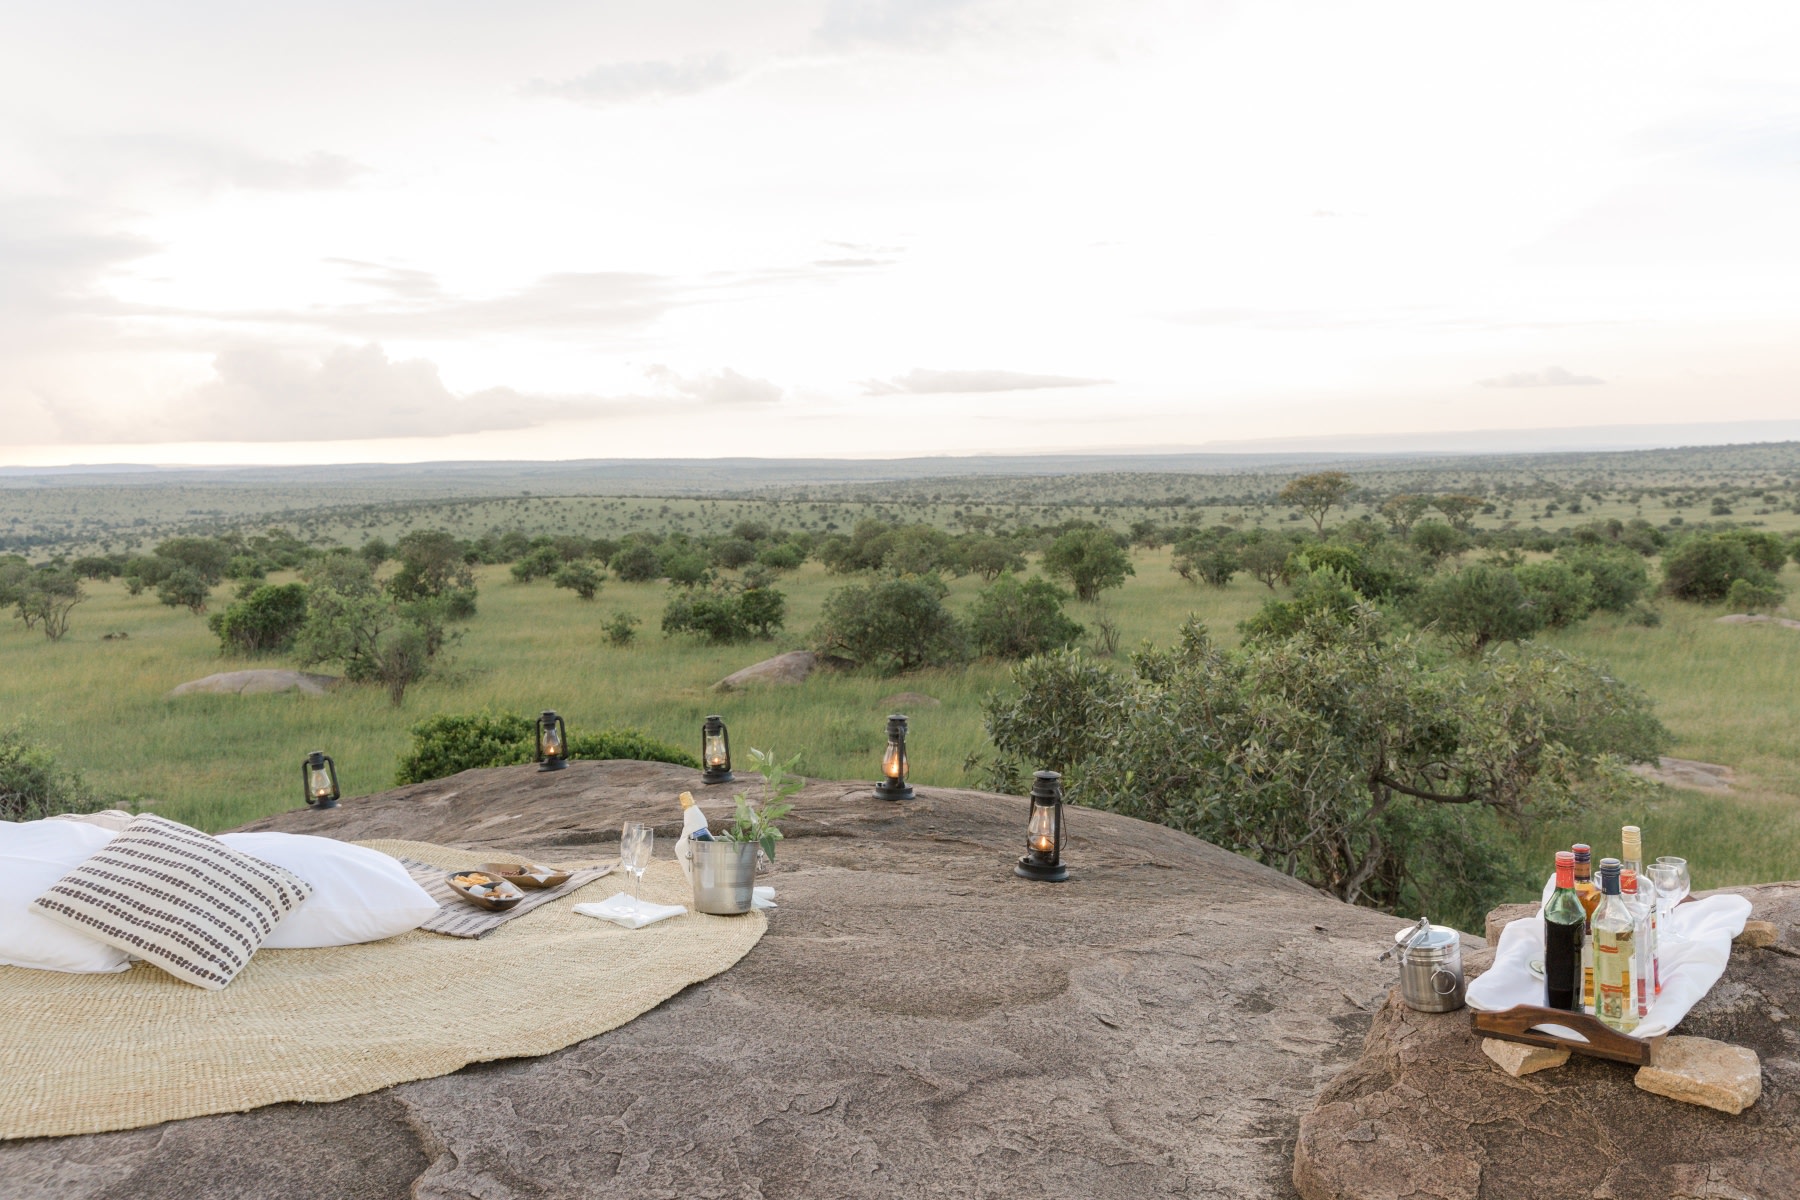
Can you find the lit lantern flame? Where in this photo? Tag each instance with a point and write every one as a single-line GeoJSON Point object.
{"type": "Point", "coordinates": [321, 783]}
{"type": "Point", "coordinates": [893, 763]}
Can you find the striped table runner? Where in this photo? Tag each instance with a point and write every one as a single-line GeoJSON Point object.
{"type": "Point", "coordinates": [456, 917]}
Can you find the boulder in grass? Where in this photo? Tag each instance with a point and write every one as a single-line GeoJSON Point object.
{"type": "Point", "coordinates": [255, 683]}
{"type": "Point", "coordinates": [793, 667]}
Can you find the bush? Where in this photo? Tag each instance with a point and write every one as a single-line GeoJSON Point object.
{"type": "Point", "coordinates": [781, 556]}
{"type": "Point", "coordinates": [265, 620]}
{"type": "Point", "coordinates": [581, 578]}
{"type": "Point", "coordinates": [1616, 578]}
{"type": "Point", "coordinates": [1090, 560]}
{"type": "Point", "coordinates": [1211, 557]}
{"type": "Point", "coordinates": [621, 631]}
{"type": "Point", "coordinates": [1560, 594]}
{"type": "Point", "coordinates": [205, 557]}
{"type": "Point", "coordinates": [1017, 620]}
{"type": "Point", "coordinates": [733, 554]}
{"type": "Point", "coordinates": [891, 625]}
{"type": "Point", "coordinates": [33, 785]}
{"type": "Point", "coordinates": [1704, 567]}
{"type": "Point", "coordinates": [1748, 597]}
{"type": "Point", "coordinates": [451, 742]}
{"type": "Point", "coordinates": [637, 563]}
{"type": "Point", "coordinates": [726, 614]}
{"type": "Point", "coordinates": [1480, 604]}
{"type": "Point", "coordinates": [541, 563]}
{"type": "Point", "coordinates": [184, 588]}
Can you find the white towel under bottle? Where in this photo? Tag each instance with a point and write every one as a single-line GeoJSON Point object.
{"type": "Point", "coordinates": [692, 821]}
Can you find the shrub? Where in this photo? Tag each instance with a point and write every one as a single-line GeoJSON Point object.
{"type": "Point", "coordinates": [1480, 604]}
{"type": "Point", "coordinates": [1436, 541]}
{"type": "Point", "coordinates": [1090, 560]}
{"type": "Point", "coordinates": [205, 557]}
{"type": "Point", "coordinates": [1560, 594]}
{"type": "Point", "coordinates": [265, 620]}
{"type": "Point", "coordinates": [637, 563]}
{"type": "Point", "coordinates": [451, 742]}
{"type": "Point", "coordinates": [891, 625]}
{"type": "Point", "coordinates": [541, 563]}
{"type": "Point", "coordinates": [1704, 567]}
{"type": "Point", "coordinates": [687, 568]}
{"type": "Point", "coordinates": [734, 554]}
{"type": "Point", "coordinates": [432, 563]}
{"type": "Point", "coordinates": [33, 785]}
{"type": "Point", "coordinates": [1017, 620]}
{"type": "Point", "coordinates": [621, 631]}
{"type": "Point", "coordinates": [1211, 557]}
{"type": "Point", "coordinates": [42, 597]}
{"type": "Point", "coordinates": [1748, 597]}
{"type": "Point", "coordinates": [1616, 578]}
{"type": "Point", "coordinates": [95, 567]}
{"type": "Point", "coordinates": [781, 556]}
{"type": "Point", "coordinates": [726, 614]}
{"type": "Point", "coordinates": [991, 557]}
{"type": "Point", "coordinates": [581, 578]}
{"type": "Point", "coordinates": [184, 588]}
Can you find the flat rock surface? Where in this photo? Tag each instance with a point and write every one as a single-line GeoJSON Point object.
{"type": "Point", "coordinates": [1686, 773]}
{"type": "Point", "coordinates": [917, 1022]}
{"type": "Point", "coordinates": [1423, 1112]}
{"type": "Point", "coordinates": [251, 683]}
{"type": "Point", "coordinates": [1759, 619]}
{"type": "Point", "coordinates": [796, 666]}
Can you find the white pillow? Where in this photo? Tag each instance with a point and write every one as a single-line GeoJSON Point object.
{"type": "Point", "coordinates": [359, 894]}
{"type": "Point", "coordinates": [33, 856]}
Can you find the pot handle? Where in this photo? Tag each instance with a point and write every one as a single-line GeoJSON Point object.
{"type": "Point", "coordinates": [1439, 988]}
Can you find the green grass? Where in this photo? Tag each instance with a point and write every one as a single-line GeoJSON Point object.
{"type": "Point", "coordinates": [215, 761]}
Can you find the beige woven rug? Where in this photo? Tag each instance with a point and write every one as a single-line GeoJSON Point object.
{"type": "Point", "coordinates": [90, 1053]}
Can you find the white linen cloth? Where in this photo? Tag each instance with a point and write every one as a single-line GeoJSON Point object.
{"type": "Point", "coordinates": [619, 909]}
{"type": "Point", "coordinates": [1689, 968]}
{"type": "Point", "coordinates": [762, 897]}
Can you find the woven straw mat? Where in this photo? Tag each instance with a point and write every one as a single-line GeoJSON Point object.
{"type": "Point", "coordinates": [91, 1053]}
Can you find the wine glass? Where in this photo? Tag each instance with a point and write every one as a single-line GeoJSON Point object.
{"type": "Point", "coordinates": [1670, 875]}
{"type": "Point", "coordinates": [640, 859]}
{"type": "Point", "coordinates": [629, 837]}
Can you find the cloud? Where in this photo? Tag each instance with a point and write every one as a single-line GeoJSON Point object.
{"type": "Point", "coordinates": [265, 394]}
{"type": "Point", "coordinates": [403, 283]}
{"type": "Point", "coordinates": [624, 82]}
{"type": "Point", "coordinates": [724, 386]}
{"type": "Point", "coordinates": [911, 24]}
{"type": "Point", "coordinates": [920, 381]}
{"type": "Point", "coordinates": [195, 164]}
{"type": "Point", "coordinates": [1548, 377]}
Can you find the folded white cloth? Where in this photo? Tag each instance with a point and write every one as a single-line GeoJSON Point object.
{"type": "Point", "coordinates": [1689, 968]}
{"type": "Point", "coordinates": [619, 909]}
{"type": "Point", "coordinates": [762, 897]}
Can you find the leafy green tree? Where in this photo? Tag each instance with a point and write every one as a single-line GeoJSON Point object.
{"type": "Point", "coordinates": [432, 564]}
{"type": "Point", "coordinates": [184, 588]}
{"type": "Point", "coordinates": [377, 638]}
{"type": "Point", "coordinates": [1321, 594]}
{"type": "Point", "coordinates": [581, 578]}
{"type": "Point", "coordinates": [266, 620]}
{"type": "Point", "coordinates": [1436, 541]}
{"type": "Point", "coordinates": [1769, 551]}
{"type": "Point", "coordinates": [1747, 597]}
{"type": "Point", "coordinates": [1560, 594]}
{"type": "Point", "coordinates": [781, 556]}
{"type": "Point", "coordinates": [376, 551]}
{"type": "Point", "coordinates": [1265, 557]}
{"type": "Point", "coordinates": [1355, 760]}
{"type": "Point", "coordinates": [1014, 619]}
{"type": "Point", "coordinates": [1089, 560]}
{"type": "Point", "coordinates": [637, 563]}
{"type": "Point", "coordinates": [725, 613]}
{"type": "Point", "coordinates": [991, 557]}
{"type": "Point", "coordinates": [1212, 556]}
{"type": "Point", "coordinates": [1616, 577]}
{"type": "Point", "coordinates": [733, 554]}
{"type": "Point", "coordinates": [1480, 604]}
{"type": "Point", "coordinates": [1459, 510]}
{"type": "Point", "coordinates": [1404, 510]}
{"type": "Point", "coordinates": [685, 566]}
{"type": "Point", "coordinates": [95, 567]}
{"type": "Point", "coordinates": [43, 598]}
{"type": "Point", "coordinates": [205, 557]}
{"type": "Point", "coordinates": [541, 563]}
{"type": "Point", "coordinates": [1317, 494]}
{"type": "Point", "coordinates": [35, 785]}
{"type": "Point", "coordinates": [891, 625]}
{"type": "Point", "coordinates": [1704, 567]}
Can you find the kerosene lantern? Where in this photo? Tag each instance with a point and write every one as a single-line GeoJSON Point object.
{"type": "Point", "coordinates": [319, 781]}
{"type": "Point", "coordinates": [715, 750]}
{"type": "Point", "coordinates": [552, 743]}
{"type": "Point", "coordinates": [1044, 832]}
{"type": "Point", "coordinates": [893, 785]}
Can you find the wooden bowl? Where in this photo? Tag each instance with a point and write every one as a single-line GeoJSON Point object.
{"type": "Point", "coordinates": [491, 903]}
{"type": "Point", "coordinates": [511, 873]}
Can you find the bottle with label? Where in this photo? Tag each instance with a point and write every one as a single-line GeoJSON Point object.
{"type": "Point", "coordinates": [1631, 845]}
{"type": "Point", "coordinates": [1564, 920]}
{"type": "Point", "coordinates": [1642, 996]}
{"type": "Point", "coordinates": [1615, 945]}
{"type": "Point", "coordinates": [693, 826]}
{"type": "Point", "coordinates": [1589, 895]}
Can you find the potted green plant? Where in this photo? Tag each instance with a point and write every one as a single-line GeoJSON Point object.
{"type": "Point", "coordinates": [725, 867]}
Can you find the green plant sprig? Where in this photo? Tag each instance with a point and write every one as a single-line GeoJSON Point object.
{"type": "Point", "coordinates": [757, 824]}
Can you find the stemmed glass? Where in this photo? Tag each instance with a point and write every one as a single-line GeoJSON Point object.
{"type": "Point", "coordinates": [1670, 875]}
{"type": "Point", "coordinates": [636, 841]}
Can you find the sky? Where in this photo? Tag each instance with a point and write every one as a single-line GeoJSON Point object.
{"type": "Point", "coordinates": [401, 231]}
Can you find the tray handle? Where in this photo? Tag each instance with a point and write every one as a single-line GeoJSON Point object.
{"type": "Point", "coordinates": [1515, 1025]}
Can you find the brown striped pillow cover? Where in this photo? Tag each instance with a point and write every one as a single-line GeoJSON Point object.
{"type": "Point", "coordinates": [177, 898]}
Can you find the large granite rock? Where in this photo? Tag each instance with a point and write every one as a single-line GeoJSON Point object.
{"type": "Point", "coordinates": [1422, 1112]}
{"type": "Point", "coordinates": [796, 666]}
{"type": "Point", "coordinates": [917, 1022]}
{"type": "Point", "coordinates": [257, 683]}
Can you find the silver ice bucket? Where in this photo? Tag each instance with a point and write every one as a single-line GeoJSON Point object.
{"type": "Point", "coordinates": [1431, 971]}
{"type": "Point", "coordinates": [724, 876]}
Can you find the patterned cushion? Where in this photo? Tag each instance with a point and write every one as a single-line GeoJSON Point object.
{"type": "Point", "coordinates": [177, 898]}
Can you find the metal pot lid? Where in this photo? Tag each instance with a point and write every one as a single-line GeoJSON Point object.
{"type": "Point", "coordinates": [1426, 937]}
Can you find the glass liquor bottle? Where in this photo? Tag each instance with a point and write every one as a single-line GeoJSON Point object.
{"type": "Point", "coordinates": [1564, 920]}
{"type": "Point", "coordinates": [1615, 945]}
{"type": "Point", "coordinates": [1631, 845]}
{"type": "Point", "coordinates": [1629, 892]}
{"type": "Point", "coordinates": [1589, 895]}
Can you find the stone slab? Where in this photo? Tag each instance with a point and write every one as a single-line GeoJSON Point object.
{"type": "Point", "coordinates": [1518, 1058]}
{"type": "Point", "coordinates": [796, 666]}
{"type": "Point", "coordinates": [254, 683]}
{"type": "Point", "coordinates": [1697, 1070]}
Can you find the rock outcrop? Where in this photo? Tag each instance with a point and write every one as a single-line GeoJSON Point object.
{"type": "Point", "coordinates": [254, 683]}
{"type": "Point", "coordinates": [796, 666]}
{"type": "Point", "coordinates": [1686, 773]}
{"type": "Point", "coordinates": [1423, 1112]}
{"type": "Point", "coordinates": [916, 1022]}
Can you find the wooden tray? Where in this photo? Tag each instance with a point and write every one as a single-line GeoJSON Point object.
{"type": "Point", "coordinates": [510, 873]}
{"type": "Point", "coordinates": [1515, 1025]}
{"type": "Point", "coordinates": [488, 902]}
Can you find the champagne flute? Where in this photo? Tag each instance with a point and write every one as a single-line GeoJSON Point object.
{"type": "Point", "coordinates": [1670, 874]}
{"type": "Point", "coordinates": [629, 837]}
{"type": "Point", "coordinates": [640, 858]}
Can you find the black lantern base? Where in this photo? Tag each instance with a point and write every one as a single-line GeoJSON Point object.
{"type": "Point", "coordinates": [713, 775]}
{"type": "Point", "coordinates": [553, 764]}
{"type": "Point", "coordinates": [1040, 872]}
{"type": "Point", "coordinates": [328, 803]}
{"type": "Point", "coordinates": [893, 790]}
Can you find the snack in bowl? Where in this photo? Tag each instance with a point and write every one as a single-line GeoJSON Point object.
{"type": "Point", "coordinates": [485, 889]}
{"type": "Point", "coordinates": [528, 875]}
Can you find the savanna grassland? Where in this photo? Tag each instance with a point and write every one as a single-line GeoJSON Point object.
{"type": "Point", "coordinates": [1727, 692]}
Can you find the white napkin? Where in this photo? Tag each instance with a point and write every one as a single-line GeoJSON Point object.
{"type": "Point", "coordinates": [619, 909]}
{"type": "Point", "coordinates": [1689, 968]}
{"type": "Point", "coordinates": [762, 897]}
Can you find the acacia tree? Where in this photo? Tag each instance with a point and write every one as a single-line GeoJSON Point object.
{"type": "Point", "coordinates": [1357, 760]}
{"type": "Point", "coordinates": [377, 638]}
{"type": "Point", "coordinates": [1316, 495]}
{"type": "Point", "coordinates": [42, 598]}
{"type": "Point", "coordinates": [1090, 560]}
